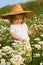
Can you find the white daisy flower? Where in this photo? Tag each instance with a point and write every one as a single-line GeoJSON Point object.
{"type": "Point", "coordinates": [3, 62]}
{"type": "Point", "coordinates": [40, 42]}
{"type": "Point", "coordinates": [6, 48]}
{"type": "Point", "coordinates": [37, 46]}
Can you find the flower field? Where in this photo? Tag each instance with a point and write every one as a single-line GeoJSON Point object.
{"type": "Point", "coordinates": [8, 49]}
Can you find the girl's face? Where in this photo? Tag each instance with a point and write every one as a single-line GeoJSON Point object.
{"type": "Point", "coordinates": [18, 19]}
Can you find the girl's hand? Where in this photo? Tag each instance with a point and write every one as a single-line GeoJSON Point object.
{"type": "Point", "coordinates": [23, 40]}
{"type": "Point", "coordinates": [35, 28]}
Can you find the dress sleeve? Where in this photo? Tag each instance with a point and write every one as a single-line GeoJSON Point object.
{"type": "Point", "coordinates": [26, 27]}
{"type": "Point", "coordinates": [12, 28]}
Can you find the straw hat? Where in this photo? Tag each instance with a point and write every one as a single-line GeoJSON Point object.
{"type": "Point", "coordinates": [17, 9]}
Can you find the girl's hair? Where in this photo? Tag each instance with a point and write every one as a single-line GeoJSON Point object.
{"type": "Point", "coordinates": [24, 18]}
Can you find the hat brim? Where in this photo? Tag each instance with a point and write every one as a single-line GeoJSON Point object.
{"type": "Point", "coordinates": [28, 14]}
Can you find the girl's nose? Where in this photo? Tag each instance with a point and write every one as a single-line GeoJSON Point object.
{"type": "Point", "coordinates": [19, 19]}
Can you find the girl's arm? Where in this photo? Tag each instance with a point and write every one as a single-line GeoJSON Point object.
{"type": "Point", "coordinates": [31, 31]}
{"type": "Point", "coordinates": [14, 36]}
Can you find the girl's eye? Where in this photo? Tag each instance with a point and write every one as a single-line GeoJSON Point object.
{"type": "Point", "coordinates": [18, 18]}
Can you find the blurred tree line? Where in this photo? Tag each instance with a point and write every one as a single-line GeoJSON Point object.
{"type": "Point", "coordinates": [36, 6]}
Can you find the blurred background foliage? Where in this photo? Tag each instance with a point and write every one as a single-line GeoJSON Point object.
{"type": "Point", "coordinates": [36, 6]}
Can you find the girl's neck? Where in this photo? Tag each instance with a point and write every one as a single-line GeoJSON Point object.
{"type": "Point", "coordinates": [17, 23]}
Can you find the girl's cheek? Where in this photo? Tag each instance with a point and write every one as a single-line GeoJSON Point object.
{"type": "Point", "coordinates": [21, 20]}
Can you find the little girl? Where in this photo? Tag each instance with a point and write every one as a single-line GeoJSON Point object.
{"type": "Point", "coordinates": [18, 28]}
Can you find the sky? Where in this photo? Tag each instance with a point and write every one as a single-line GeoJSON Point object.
{"type": "Point", "coordinates": [10, 2]}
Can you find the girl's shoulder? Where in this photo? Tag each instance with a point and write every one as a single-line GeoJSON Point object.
{"type": "Point", "coordinates": [12, 26]}
{"type": "Point", "coordinates": [25, 24]}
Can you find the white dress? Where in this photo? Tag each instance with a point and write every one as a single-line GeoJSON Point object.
{"type": "Point", "coordinates": [20, 30]}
